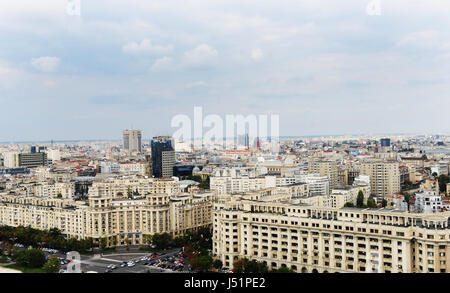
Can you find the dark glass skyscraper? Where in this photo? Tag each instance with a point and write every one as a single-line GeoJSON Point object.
{"type": "Point", "coordinates": [385, 142]}
{"type": "Point", "coordinates": [163, 156]}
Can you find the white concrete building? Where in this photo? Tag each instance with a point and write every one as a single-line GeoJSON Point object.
{"type": "Point", "coordinates": [429, 202]}
{"type": "Point", "coordinates": [318, 185]}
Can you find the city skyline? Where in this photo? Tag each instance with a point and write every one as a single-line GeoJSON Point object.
{"type": "Point", "coordinates": [323, 67]}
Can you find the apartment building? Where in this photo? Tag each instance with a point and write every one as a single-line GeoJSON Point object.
{"type": "Point", "coordinates": [342, 195]}
{"type": "Point", "coordinates": [119, 219]}
{"type": "Point", "coordinates": [384, 177]}
{"type": "Point", "coordinates": [318, 185]}
{"type": "Point", "coordinates": [429, 201]}
{"type": "Point", "coordinates": [319, 239]}
{"type": "Point", "coordinates": [30, 160]}
{"type": "Point", "coordinates": [132, 140]}
{"type": "Point", "coordinates": [112, 186]}
{"type": "Point", "coordinates": [325, 168]}
{"type": "Point", "coordinates": [55, 189]}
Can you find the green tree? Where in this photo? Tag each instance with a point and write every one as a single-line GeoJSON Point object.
{"type": "Point", "coordinates": [205, 262]}
{"type": "Point", "coordinates": [3, 259]}
{"type": "Point", "coordinates": [59, 195]}
{"type": "Point", "coordinates": [244, 265]}
{"type": "Point", "coordinates": [239, 265]}
{"type": "Point", "coordinates": [349, 205]}
{"type": "Point", "coordinates": [217, 264]}
{"type": "Point", "coordinates": [360, 199]}
{"type": "Point", "coordinates": [127, 243]}
{"type": "Point", "coordinates": [443, 181]}
{"type": "Point", "coordinates": [254, 266]}
{"type": "Point", "coordinates": [371, 203]}
{"type": "Point", "coordinates": [52, 265]}
{"type": "Point", "coordinates": [205, 184]}
{"type": "Point", "coordinates": [31, 258]}
{"type": "Point", "coordinates": [147, 239]}
{"type": "Point", "coordinates": [103, 243]}
{"type": "Point", "coordinates": [161, 240]}
{"type": "Point", "coordinates": [384, 203]}
{"type": "Point", "coordinates": [406, 196]}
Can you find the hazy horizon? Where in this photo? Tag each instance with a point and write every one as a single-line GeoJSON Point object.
{"type": "Point", "coordinates": [323, 66]}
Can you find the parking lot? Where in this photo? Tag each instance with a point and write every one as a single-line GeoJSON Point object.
{"type": "Point", "coordinates": [134, 262]}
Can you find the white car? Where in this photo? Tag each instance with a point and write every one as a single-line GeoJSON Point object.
{"type": "Point", "coordinates": [131, 264]}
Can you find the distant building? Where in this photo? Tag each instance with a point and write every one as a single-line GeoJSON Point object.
{"type": "Point", "coordinates": [243, 140]}
{"type": "Point", "coordinates": [53, 155]}
{"type": "Point", "coordinates": [384, 177]}
{"type": "Point", "coordinates": [16, 160]}
{"type": "Point", "coordinates": [385, 142]}
{"type": "Point", "coordinates": [318, 185]}
{"type": "Point", "coordinates": [163, 156]}
{"type": "Point", "coordinates": [14, 171]}
{"type": "Point", "coordinates": [132, 140]}
{"type": "Point", "coordinates": [326, 168]}
{"type": "Point", "coordinates": [439, 170]}
{"type": "Point", "coordinates": [428, 202]}
{"type": "Point", "coordinates": [109, 168]}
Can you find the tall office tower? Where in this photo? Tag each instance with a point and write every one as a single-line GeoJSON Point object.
{"type": "Point", "coordinates": [385, 142]}
{"type": "Point", "coordinates": [132, 140]}
{"type": "Point", "coordinates": [163, 156]}
{"type": "Point", "coordinates": [243, 140]}
{"type": "Point", "coordinates": [384, 177]}
{"type": "Point", "coordinates": [15, 160]}
{"type": "Point", "coordinates": [325, 168]}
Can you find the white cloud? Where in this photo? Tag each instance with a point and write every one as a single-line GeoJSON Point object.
{"type": "Point", "coordinates": [202, 55]}
{"type": "Point", "coordinates": [163, 63]}
{"type": "Point", "coordinates": [422, 40]}
{"type": "Point", "coordinates": [145, 46]}
{"type": "Point", "coordinates": [256, 54]}
{"type": "Point", "coordinates": [46, 64]}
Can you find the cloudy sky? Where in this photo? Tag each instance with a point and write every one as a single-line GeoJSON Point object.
{"type": "Point", "coordinates": [326, 67]}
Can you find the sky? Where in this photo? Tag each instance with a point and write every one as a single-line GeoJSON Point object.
{"type": "Point", "coordinates": [325, 67]}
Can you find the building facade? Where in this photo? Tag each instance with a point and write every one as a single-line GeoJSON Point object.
{"type": "Point", "coordinates": [163, 156]}
{"type": "Point", "coordinates": [132, 140]}
{"type": "Point", "coordinates": [316, 239]}
{"type": "Point", "coordinates": [384, 177]}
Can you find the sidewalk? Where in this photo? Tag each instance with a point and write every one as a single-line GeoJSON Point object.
{"type": "Point", "coordinates": [7, 270]}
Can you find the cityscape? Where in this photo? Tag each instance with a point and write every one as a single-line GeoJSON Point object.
{"type": "Point", "coordinates": [224, 138]}
{"type": "Point", "coordinates": [321, 204]}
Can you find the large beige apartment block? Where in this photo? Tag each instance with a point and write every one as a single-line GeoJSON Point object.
{"type": "Point", "coordinates": [318, 239]}
{"type": "Point", "coordinates": [384, 177]}
{"type": "Point", "coordinates": [119, 219]}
